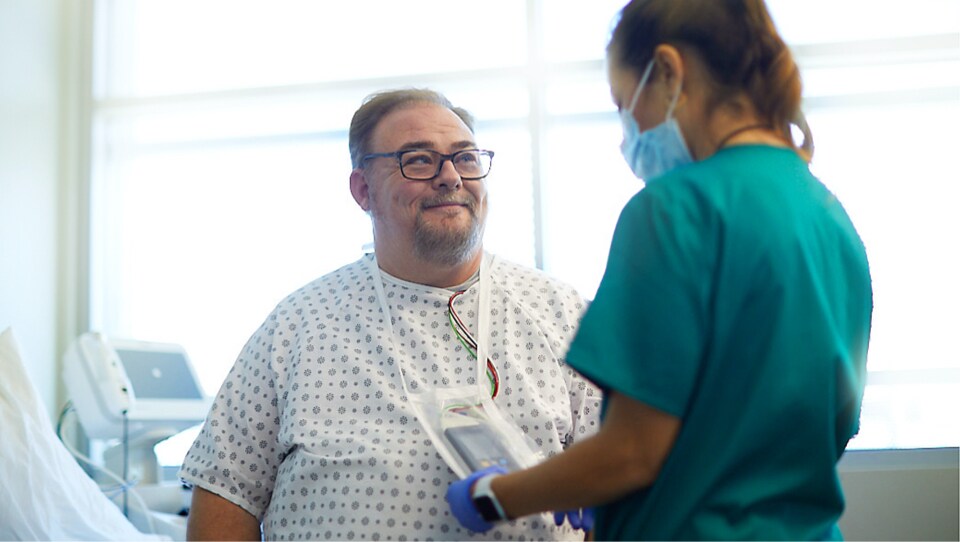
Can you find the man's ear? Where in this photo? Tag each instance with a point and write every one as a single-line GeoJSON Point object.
{"type": "Point", "coordinates": [360, 189]}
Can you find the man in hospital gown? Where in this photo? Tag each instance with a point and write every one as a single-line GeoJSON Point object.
{"type": "Point", "coordinates": [311, 433]}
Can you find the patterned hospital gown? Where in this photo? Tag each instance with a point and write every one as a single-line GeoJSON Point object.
{"type": "Point", "coordinates": [311, 431]}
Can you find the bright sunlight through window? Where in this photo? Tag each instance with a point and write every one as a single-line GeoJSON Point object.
{"type": "Point", "coordinates": [220, 162]}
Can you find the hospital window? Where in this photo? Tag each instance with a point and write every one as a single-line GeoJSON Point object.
{"type": "Point", "coordinates": [219, 162]}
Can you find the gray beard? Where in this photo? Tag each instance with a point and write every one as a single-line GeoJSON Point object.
{"type": "Point", "coordinates": [444, 246]}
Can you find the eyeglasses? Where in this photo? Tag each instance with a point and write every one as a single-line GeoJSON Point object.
{"type": "Point", "coordinates": [424, 165]}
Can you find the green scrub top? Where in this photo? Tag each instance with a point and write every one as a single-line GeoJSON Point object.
{"type": "Point", "coordinates": [736, 297]}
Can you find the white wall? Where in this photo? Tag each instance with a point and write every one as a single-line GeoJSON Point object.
{"type": "Point", "coordinates": [901, 494]}
{"type": "Point", "coordinates": [29, 180]}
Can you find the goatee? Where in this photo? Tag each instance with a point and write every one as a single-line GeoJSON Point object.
{"type": "Point", "coordinates": [444, 245]}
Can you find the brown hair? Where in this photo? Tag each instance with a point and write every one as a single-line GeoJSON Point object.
{"type": "Point", "coordinates": [738, 42]}
{"type": "Point", "coordinates": [376, 106]}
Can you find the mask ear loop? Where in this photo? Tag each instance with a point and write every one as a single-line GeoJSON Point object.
{"type": "Point", "coordinates": [674, 100]}
{"type": "Point", "coordinates": [640, 86]}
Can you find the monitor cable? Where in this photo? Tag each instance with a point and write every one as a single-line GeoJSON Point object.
{"type": "Point", "coordinates": [126, 463]}
{"type": "Point", "coordinates": [122, 484]}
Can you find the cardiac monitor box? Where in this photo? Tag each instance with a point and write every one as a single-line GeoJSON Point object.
{"type": "Point", "coordinates": [152, 384]}
{"type": "Point", "coordinates": [479, 447]}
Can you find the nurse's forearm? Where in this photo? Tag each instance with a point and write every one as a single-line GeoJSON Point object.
{"type": "Point", "coordinates": [626, 455]}
{"type": "Point", "coordinates": [588, 474]}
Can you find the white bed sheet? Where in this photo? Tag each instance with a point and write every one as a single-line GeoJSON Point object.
{"type": "Point", "coordinates": [44, 494]}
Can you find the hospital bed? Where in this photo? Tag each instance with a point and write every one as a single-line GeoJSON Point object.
{"type": "Point", "coordinates": [44, 492]}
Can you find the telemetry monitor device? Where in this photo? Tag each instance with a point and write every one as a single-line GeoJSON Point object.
{"type": "Point", "coordinates": [153, 385]}
{"type": "Point", "coordinates": [479, 447]}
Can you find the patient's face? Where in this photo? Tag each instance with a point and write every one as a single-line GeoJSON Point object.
{"type": "Point", "coordinates": [441, 219]}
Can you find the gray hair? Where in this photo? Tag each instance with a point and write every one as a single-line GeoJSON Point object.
{"type": "Point", "coordinates": [378, 105]}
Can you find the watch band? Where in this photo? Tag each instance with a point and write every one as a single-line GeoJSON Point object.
{"type": "Point", "coordinates": [485, 500]}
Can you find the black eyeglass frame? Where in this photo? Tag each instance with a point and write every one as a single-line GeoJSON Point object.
{"type": "Point", "coordinates": [443, 158]}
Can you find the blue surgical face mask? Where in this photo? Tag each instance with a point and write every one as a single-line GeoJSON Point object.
{"type": "Point", "coordinates": [655, 151]}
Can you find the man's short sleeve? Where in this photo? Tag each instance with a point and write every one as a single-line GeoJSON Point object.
{"type": "Point", "coordinates": [237, 453]}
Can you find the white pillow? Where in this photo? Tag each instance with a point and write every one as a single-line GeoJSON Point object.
{"type": "Point", "coordinates": [44, 494]}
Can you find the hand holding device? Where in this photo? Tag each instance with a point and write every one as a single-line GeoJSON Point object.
{"type": "Point", "coordinates": [478, 510]}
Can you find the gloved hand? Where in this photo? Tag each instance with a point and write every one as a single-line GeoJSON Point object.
{"type": "Point", "coordinates": [580, 518]}
{"type": "Point", "coordinates": [460, 498]}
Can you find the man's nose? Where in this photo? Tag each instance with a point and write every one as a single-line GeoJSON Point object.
{"type": "Point", "coordinates": [448, 177]}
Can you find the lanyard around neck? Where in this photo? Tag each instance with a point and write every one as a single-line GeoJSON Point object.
{"type": "Point", "coordinates": [483, 302]}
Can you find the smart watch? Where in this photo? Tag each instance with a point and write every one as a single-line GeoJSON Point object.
{"type": "Point", "coordinates": [486, 502]}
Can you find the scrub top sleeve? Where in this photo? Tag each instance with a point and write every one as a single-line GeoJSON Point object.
{"type": "Point", "coordinates": [644, 333]}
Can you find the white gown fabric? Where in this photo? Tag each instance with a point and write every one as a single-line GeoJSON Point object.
{"type": "Point", "coordinates": [311, 431]}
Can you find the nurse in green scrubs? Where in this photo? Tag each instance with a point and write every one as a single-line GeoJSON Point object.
{"type": "Point", "coordinates": [730, 329]}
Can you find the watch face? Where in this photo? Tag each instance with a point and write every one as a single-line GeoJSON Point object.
{"type": "Point", "coordinates": [487, 510]}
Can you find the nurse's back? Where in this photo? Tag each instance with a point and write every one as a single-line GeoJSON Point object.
{"type": "Point", "coordinates": [771, 395]}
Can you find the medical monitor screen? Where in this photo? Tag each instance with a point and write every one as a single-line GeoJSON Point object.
{"type": "Point", "coordinates": [159, 374]}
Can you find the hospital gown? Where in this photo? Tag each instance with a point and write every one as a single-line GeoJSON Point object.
{"type": "Point", "coordinates": [311, 433]}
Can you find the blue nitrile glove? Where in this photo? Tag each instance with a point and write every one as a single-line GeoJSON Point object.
{"type": "Point", "coordinates": [580, 518]}
{"type": "Point", "coordinates": [461, 501]}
